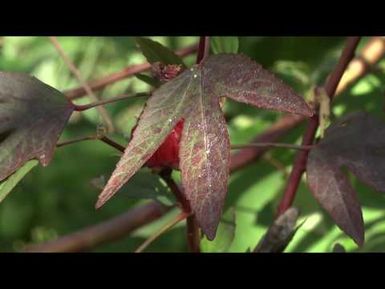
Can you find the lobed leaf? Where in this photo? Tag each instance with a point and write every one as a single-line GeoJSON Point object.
{"type": "Point", "coordinates": [238, 77]}
{"type": "Point", "coordinates": [162, 112]}
{"type": "Point", "coordinates": [204, 157]}
{"type": "Point", "coordinates": [356, 142]}
{"type": "Point", "coordinates": [205, 147]}
{"type": "Point", "coordinates": [32, 117]}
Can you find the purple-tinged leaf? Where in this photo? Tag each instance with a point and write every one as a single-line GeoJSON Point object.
{"type": "Point", "coordinates": [204, 157]}
{"type": "Point", "coordinates": [163, 110]}
{"type": "Point", "coordinates": [32, 117]}
{"type": "Point", "coordinates": [205, 149]}
{"type": "Point", "coordinates": [333, 191]}
{"type": "Point", "coordinates": [356, 142]}
{"type": "Point", "coordinates": [238, 77]}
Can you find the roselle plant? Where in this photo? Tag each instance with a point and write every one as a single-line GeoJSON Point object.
{"type": "Point", "coordinates": [182, 127]}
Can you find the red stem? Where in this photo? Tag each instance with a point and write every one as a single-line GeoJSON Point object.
{"type": "Point", "coordinates": [203, 48]}
{"type": "Point", "coordinates": [370, 55]}
{"type": "Point", "coordinates": [117, 76]}
{"type": "Point", "coordinates": [193, 234]}
{"type": "Point", "coordinates": [301, 158]}
{"type": "Point", "coordinates": [299, 167]}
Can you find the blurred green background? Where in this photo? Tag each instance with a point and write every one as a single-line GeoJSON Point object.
{"type": "Point", "coordinates": [57, 200]}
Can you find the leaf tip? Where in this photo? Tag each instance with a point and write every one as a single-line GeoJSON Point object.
{"type": "Point", "coordinates": [309, 112]}
{"type": "Point", "coordinates": [208, 225]}
{"type": "Point", "coordinates": [104, 196]}
{"type": "Point", "coordinates": [98, 204]}
{"type": "Point", "coordinates": [210, 233]}
{"type": "Point", "coordinates": [359, 237]}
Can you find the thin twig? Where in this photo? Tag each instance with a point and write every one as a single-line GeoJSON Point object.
{"type": "Point", "coordinates": [102, 138]}
{"type": "Point", "coordinates": [161, 231]}
{"type": "Point", "coordinates": [373, 52]}
{"type": "Point", "coordinates": [109, 100]}
{"type": "Point", "coordinates": [271, 144]}
{"type": "Point", "coordinates": [123, 74]}
{"type": "Point", "coordinates": [112, 143]}
{"type": "Point", "coordinates": [279, 129]}
{"type": "Point", "coordinates": [331, 84]}
{"type": "Point", "coordinates": [103, 112]}
{"type": "Point", "coordinates": [76, 140]}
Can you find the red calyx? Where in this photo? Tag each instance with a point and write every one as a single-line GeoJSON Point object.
{"type": "Point", "coordinates": [165, 72]}
{"type": "Point", "coordinates": [167, 155]}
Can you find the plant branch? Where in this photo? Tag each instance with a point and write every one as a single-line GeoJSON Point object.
{"type": "Point", "coordinates": [193, 232]}
{"type": "Point", "coordinates": [247, 156]}
{"type": "Point", "coordinates": [112, 143]}
{"type": "Point", "coordinates": [203, 48]}
{"type": "Point", "coordinates": [103, 138]}
{"type": "Point", "coordinates": [76, 140]}
{"type": "Point", "coordinates": [301, 158]}
{"type": "Point", "coordinates": [370, 54]}
{"type": "Point", "coordinates": [120, 75]}
{"type": "Point", "coordinates": [347, 55]}
{"type": "Point", "coordinates": [373, 51]}
{"type": "Point", "coordinates": [103, 112]}
{"type": "Point", "coordinates": [109, 100]}
{"type": "Point", "coordinates": [104, 232]}
{"type": "Point", "coordinates": [271, 144]}
{"type": "Point", "coordinates": [181, 216]}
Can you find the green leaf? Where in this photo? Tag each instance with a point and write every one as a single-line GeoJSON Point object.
{"type": "Point", "coordinates": [156, 52]}
{"type": "Point", "coordinates": [32, 117]}
{"type": "Point", "coordinates": [224, 237]}
{"type": "Point", "coordinates": [148, 79]}
{"type": "Point", "coordinates": [204, 147]}
{"type": "Point", "coordinates": [143, 185]}
{"type": "Point", "coordinates": [7, 185]}
{"type": "Point", "coordinates": [224, 44]}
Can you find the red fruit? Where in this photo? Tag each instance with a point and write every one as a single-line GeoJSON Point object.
{"type": "Point", "coordinates": [167, 155]}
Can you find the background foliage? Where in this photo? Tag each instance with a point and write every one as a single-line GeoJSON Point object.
{"type": "Point", "coordinates": [58, 200]}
